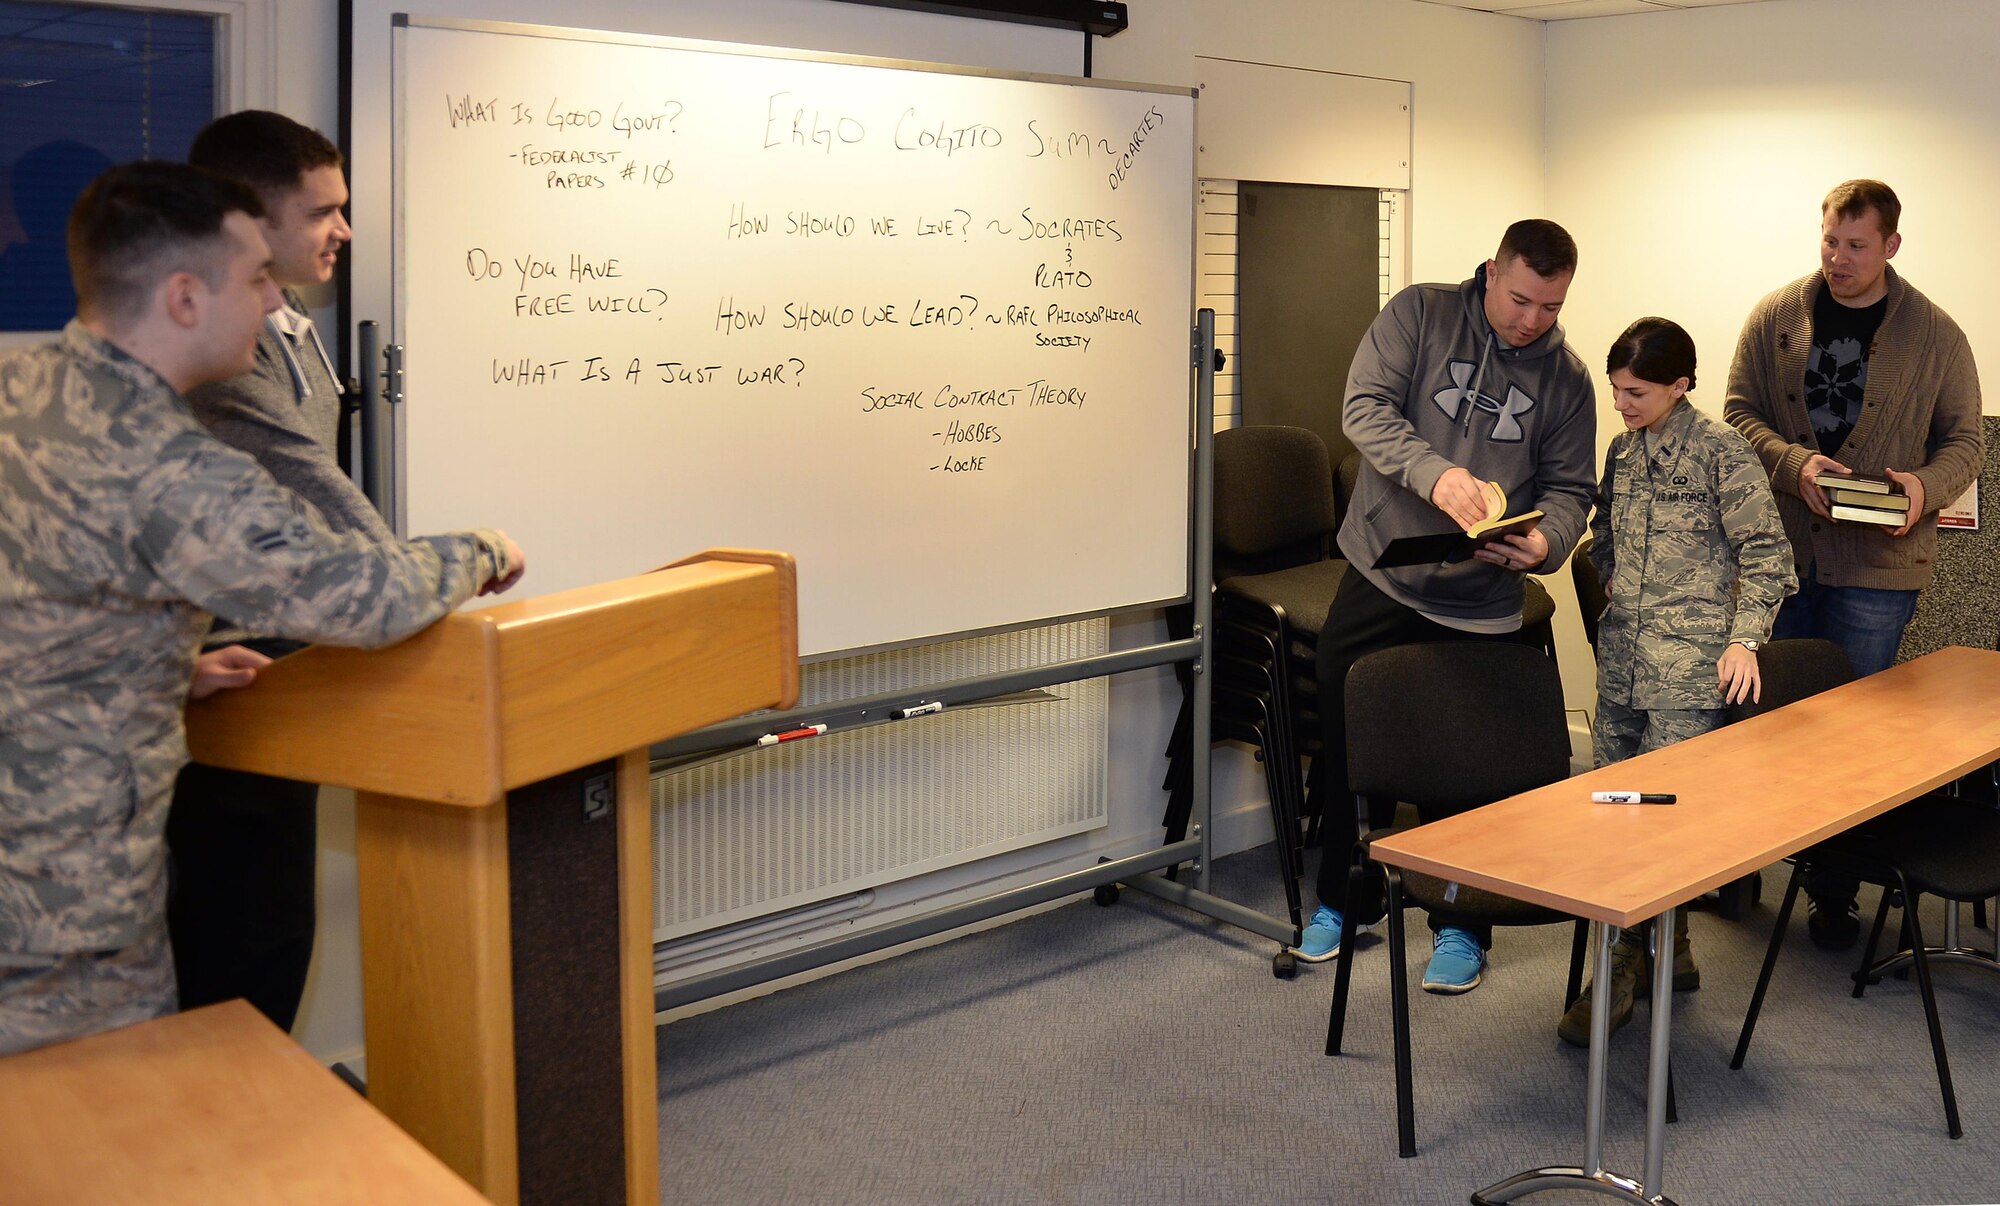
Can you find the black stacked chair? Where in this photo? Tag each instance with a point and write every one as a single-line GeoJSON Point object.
{"type": "Point", "coordinates": [1447, 727]}
{"type": "Point", "coordinates": [1943, 846]}
{"type": "Point", "coordinates": [1275, 578]}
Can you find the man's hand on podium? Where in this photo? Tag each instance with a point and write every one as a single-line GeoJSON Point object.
{"type": "Point", "coordinates": [225, 668]}
{"type": "Point", "coordinates": [517, 562]}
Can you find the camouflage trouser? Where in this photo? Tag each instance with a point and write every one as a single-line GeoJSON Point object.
{"type": "Point", "coordinates": [1621, 732]}
{"type": "Point", "coordinates": [78, 995]}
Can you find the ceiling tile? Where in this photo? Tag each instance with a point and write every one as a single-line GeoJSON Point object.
{"type": "Point", "coordinates": [1570, 10]}
{"type": "Point", "coordinates": [1567, 10]}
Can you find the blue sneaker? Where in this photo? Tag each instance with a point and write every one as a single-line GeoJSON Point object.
{"type": "Point", "coordinates": [1321, 940]}
{"type": "Point", "coordinates": [1456, 960]}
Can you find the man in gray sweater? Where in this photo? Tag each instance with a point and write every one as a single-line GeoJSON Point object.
{"type": "Point", "coordinates": [1850, 369]}
{"type": "Point", "coordinates": [245, 846]}
{"type": "Point", "coordinates": [1451, 388]}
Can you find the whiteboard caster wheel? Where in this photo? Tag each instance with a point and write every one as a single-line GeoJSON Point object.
{"type": "Point", "coordinates": [1284, 966]}
{"type": "Point", "coordinates": [1105, 895]}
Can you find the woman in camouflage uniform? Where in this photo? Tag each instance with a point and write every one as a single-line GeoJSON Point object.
{"type": "Point", "coordinates": [1693, 556]}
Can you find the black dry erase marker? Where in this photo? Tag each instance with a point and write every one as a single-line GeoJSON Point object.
{"type": "Point", "coordinates": [1632, 797]}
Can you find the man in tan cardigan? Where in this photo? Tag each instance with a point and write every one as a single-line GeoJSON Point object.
{"type": "Point", "coordinates": [1852, 370]}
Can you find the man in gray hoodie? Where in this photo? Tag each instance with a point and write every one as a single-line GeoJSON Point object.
{"type": "Point", "coordinates": [1452, 387]}
{"type": "Point", "coordinates": [246, 847]}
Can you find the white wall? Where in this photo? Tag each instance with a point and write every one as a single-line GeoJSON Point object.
{"type": "Point", "coordinates": [1688, 152]}
{"type": "Point", "coordinates": [1476, 126]}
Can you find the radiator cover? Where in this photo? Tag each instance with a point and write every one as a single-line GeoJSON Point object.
{"type": "Point", "coordinates": [773, 829]}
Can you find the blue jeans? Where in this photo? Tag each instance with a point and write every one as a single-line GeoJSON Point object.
{"type": "Point", "coordinates": [1866, 622]}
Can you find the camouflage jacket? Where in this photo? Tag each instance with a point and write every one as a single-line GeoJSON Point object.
{"type": "Point", "coordinates": [1692, 554]}
{"type": "Point", "coordinates": [123, 527]}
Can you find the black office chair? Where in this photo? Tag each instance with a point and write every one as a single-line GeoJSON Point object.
{"type": "Point", "coordinates": [1794, 670]}
{"type": "Point", "coordinates": [1791, 670]}
{"type": "Point", "coordinates": [1447, 727]}
{"type": "Point", "coordinates": [1935, 845]}
{"type": "Point", "coordinates": [1590, 597]}
{"type": "Point", "coordinates": [1538, 611]}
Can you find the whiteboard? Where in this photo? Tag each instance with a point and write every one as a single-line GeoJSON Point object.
{"type": "Point", "coordinates": [926, 329]}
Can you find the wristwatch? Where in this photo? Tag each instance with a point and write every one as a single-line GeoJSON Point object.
{"type": "Point", "coordinates": [1752, 646]}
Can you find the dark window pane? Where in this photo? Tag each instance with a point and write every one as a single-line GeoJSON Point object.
{"type": "Point", "coordinates": [81, 88]}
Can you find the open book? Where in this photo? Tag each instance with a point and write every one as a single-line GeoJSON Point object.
{"type": "Point", "coordinates": [1441, 547]}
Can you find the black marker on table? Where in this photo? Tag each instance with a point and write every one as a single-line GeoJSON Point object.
{"type": "Point", "coordinates": [1632, 797]}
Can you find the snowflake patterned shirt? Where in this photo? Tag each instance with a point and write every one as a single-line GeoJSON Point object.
{"type": "Point", "coordinates": [1837, 367]}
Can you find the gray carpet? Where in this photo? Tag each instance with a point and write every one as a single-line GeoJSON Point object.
{"type": "Point", "coordinates": [1143, 1054]}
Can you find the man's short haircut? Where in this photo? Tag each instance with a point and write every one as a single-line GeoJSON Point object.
{"type": "Point", "coordinates": [1852, 198]}
{"type": "Point", "coordinates": [1544, 246]}
{"type": "Point", "coordinates": [138, 223]}
{"type": "Point", "coordinates": [267, 151]}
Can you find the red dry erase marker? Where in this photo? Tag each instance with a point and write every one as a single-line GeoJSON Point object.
{"type": "Point", "coordinates": [811, 730]}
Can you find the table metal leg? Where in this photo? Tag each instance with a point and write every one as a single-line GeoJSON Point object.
{"type": "Point", "coordinates": [1600, 1055]}
{"type": "Point", "coordinates": [1656, 1062]}
{"type": "Point", "coordinates": [1594, 1177]}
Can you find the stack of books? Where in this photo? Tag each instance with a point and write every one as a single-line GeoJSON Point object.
{"type": "Point", "coordinates": [1859, 499]}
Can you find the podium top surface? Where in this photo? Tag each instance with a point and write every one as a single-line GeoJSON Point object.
{"type": "Point", "coordinates": [488, 700]}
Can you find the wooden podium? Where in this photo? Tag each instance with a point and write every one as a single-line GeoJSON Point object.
{"type": "Point", "coordinates": [504, 842]}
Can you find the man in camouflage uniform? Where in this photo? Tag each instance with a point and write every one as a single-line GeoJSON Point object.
{"type": "Point", "coordinates": [124, 527]}
{"type": "Point", "coordinates": [1694, 560]}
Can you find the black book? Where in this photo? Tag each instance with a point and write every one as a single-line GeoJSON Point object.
{"type": "Point", "coordinates": [1862, 498]}
{"type": "Point", "coordinates": [1855, 481]}
{"type": "Point", "coordinates": [1434, 548]}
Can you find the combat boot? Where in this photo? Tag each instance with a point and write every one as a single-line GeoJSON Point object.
{"type": "Point", "coordinates": [1628, 963]}
{"type": "Point", "coordinates": [1687, 977]}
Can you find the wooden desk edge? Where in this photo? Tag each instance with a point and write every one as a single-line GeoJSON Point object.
{"type": "Point", "coordinates": [151, 1059]}
{"type": "Point", "coordinates": [1386, 851]}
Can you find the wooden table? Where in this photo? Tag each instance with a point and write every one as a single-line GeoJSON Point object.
{"type": "Point", "coordinates": [1749, 795]}
{"type": "Point", "coordinates": [206, 1108]}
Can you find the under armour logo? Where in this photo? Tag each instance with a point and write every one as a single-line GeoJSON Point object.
{"type": "Point", "coordinates": [1506, 416]}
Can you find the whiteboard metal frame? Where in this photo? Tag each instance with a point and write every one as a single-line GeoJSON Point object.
{"type": "Point", "coordinates": [1142, 872]}
{"type": "Point", "coordinates": [397, 504]}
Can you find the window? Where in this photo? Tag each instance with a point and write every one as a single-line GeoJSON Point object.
{"type": "Point", "coordinates": [82, 87]}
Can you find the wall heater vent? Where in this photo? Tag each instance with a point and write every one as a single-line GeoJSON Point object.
{"type": "Point", "coordinates": [751, 834]}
